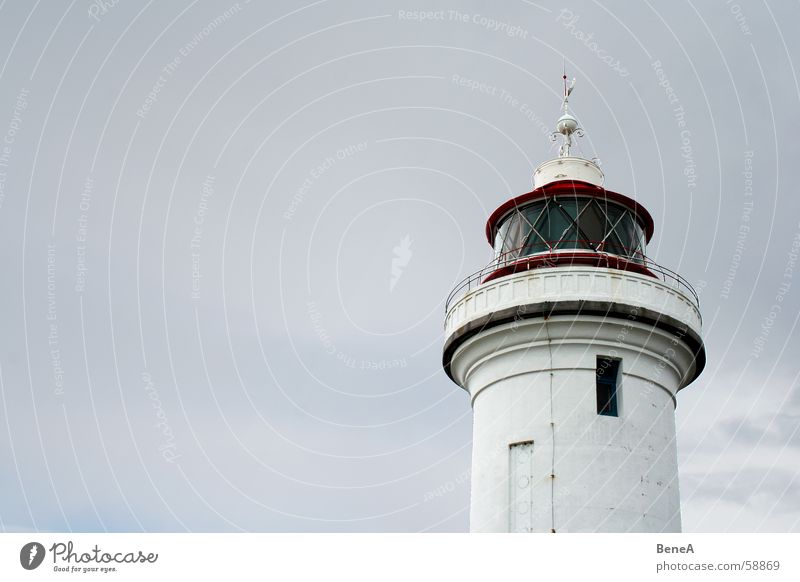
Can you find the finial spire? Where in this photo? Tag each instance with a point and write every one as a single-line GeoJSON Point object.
{"type": "Point", "coordinates": [566, 124]}
{"type": "Point", "coordinates": [567, 91]}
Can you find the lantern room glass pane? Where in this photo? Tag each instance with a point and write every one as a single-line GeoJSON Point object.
{"type": "Point", "coordinates": [537, 216]}
{"type": "Point", "coordinates": [627, 233]}
{"type": "Point", "coordinates": [511, 241]}
{"type": "Point", "coordinates": [592, 223]}
{"type": "Point", "coordinates": [570, 223]}
{"type": "Point", "coordinates": [502, 232]}
{"type": "Point", "coordinates": [559, 220]}
{"type": "Point", "coordinates": [642, 237]}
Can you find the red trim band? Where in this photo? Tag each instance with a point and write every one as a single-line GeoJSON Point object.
{"type": "Point", "coordinates": [565, 259]}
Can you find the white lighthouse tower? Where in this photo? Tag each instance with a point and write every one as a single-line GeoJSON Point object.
{"type": "Point", "coordinates": [572, 346]}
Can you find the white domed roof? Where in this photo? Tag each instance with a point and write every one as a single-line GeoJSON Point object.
{"type": "Point", "coordinates": [568, 168]}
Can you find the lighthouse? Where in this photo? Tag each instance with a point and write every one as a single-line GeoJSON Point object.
{"type": "Point", "coordinates": [572, 346]}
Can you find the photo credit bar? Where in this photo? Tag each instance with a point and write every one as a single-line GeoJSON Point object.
{"type": "Point", "coordinates": [370, 557]}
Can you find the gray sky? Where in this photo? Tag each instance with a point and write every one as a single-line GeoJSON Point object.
{"type": "Point", "coordinates": [228, 230]}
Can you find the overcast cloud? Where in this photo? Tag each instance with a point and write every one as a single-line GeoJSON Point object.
{"type": "Point", "coordinates": [228, 230]}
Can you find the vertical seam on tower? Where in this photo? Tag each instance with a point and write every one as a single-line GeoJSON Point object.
{"type": "Point", "coordinates": [552, 433]}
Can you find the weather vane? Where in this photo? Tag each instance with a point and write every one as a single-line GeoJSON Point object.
{"type": "Point", "coordinates": [567, 124]}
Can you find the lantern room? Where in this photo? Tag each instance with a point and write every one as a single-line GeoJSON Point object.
{"type": "Point", "coordinates": [569, 221]}
{"type": "Point", "coordinates": [569, 218]}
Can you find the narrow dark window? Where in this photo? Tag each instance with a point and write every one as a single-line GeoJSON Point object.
{"type": "Point", "coordinates": [607, 376]}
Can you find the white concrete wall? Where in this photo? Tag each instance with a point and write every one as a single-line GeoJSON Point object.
{"type": "Point", "coordinates": [535, 381]}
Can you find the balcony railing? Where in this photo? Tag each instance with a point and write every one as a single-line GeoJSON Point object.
{"type": "Point", "coordinates": [510, 259]}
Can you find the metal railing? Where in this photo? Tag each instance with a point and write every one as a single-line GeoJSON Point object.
{"type": "Point", "coordinates": [516, 256]}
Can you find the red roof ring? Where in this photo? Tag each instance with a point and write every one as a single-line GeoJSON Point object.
{"type": "Point", "coordinates": [570, 187]}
